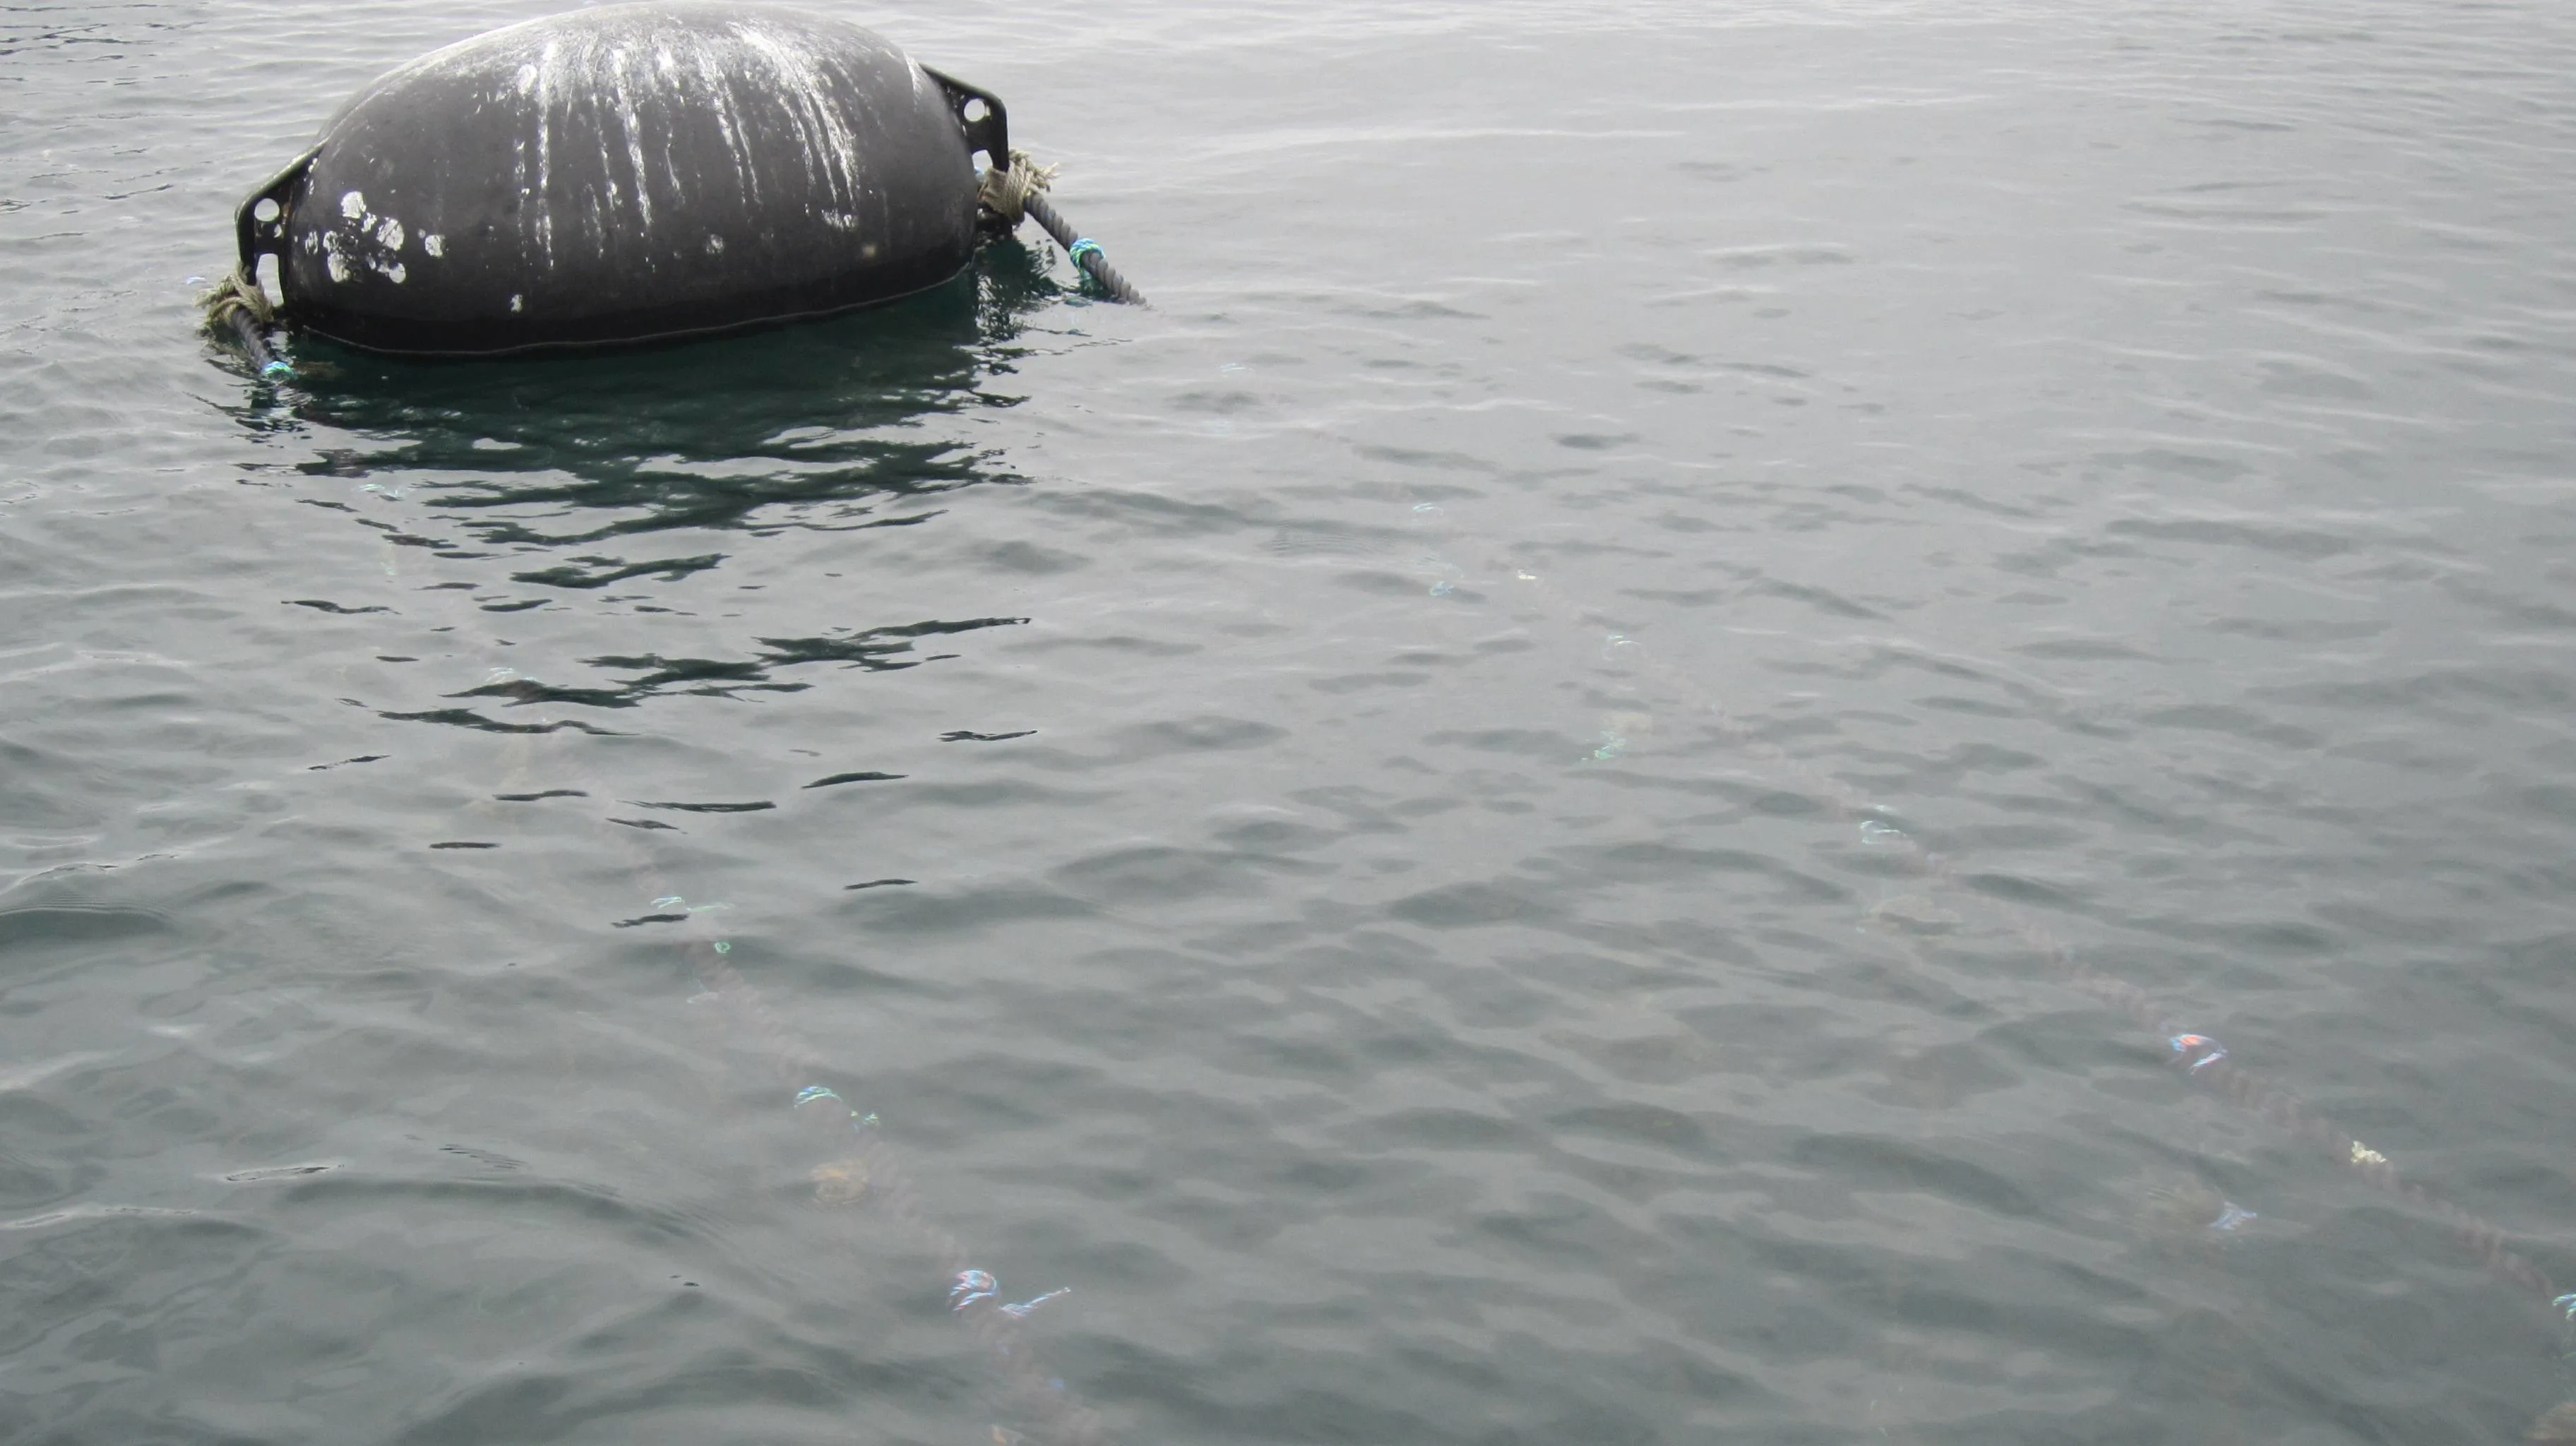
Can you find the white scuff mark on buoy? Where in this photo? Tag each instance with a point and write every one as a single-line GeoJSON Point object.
{"type": "Point", "coordinates": [715, 245]}
{"type": "Point", "coordinates": [839, 220]}
{"type": "Point", "coordinates": [434, 244]}
{"type": "Point", "coordinates": [354, 205]}
{"type": "Point", "coordinates": [822, 133]}
{"type": "Point", "coordinates": [389, 234]}
{"type": "Point", "coordinates": [718, 83]}
{"type": "Point", "coordinates": [391, 270]}
{"type": "Point", "coordinates": [518, 302]}
{"type": "Point", "coordinates": [634, 138]}
{"type": "Point", "coordinates": [541, 92]}
{"type": "Point", "coordinates": [333, 263]}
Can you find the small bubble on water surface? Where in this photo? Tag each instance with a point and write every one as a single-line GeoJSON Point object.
{"type": "Point", "coordinates": [2231, 1215]}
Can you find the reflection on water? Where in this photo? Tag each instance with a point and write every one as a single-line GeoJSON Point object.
{"type": "Point", "coordinates": [550, 471]}
{"type": "Point", "coordinates": [806, 426]}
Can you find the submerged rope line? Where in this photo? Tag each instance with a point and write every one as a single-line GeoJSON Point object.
{"type": "Point", "coordinates": [872, 1167]}
{"type": "Point", "coordinates": [866, 1165]}
{"type": "Point", "coordinates": [2198, 1057]}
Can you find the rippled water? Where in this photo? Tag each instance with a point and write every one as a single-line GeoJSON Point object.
{"type": "Point", "coordinates": [1371, 820]}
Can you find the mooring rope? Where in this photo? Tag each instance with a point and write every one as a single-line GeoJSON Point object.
{"type": "Point", "coordinates": [867, 1167]}
{"type": "Point", "coordinates": [238, 306]}
{"type": "Point", "coordinates": [871, 1168]}
{"type": "Point", "coordinates": [2198, 1057]}
{"type": "Point", "coordinates": [1019, 189]}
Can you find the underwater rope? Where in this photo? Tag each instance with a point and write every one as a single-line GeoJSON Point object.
{"type": "Point", "coordinates": [1019, 189]}
{"type": "Point", "coordinates": [1062, 1417]}
{"type": "Point", "coordinates": [867, 1166]}
{"type": "Point", "coordinates": [2198, 1057]}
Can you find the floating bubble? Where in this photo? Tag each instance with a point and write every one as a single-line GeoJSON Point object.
{"type": "Point", "coordinates": [1525, 576]}
{"type": "Point", "coordinates": [1443, 589]}
{"type": "Point", "coordinates": [1021, 1310]}
{"type": "Point", "coordinates": [1879, 835]}
{"type": "Point", "coordinates": [499, 675]}
{"type": "Point", "coordinates": [669, 901]}
{"type": "Point", "coordinates": [1612, 745]}
{"type": "Point", "coordinates": [2231, 1215]}
{"type": "Point", "coordinates": [1426, 508]}
{"type": "Point", "coordinates": [971, 1286]}
{"type": "Point", "coordinates": [724, 946]}
{"type": "Point", "coordinates": [2206, 1052]}
{"type": "Point", "coordinates": [812, 1093]}
{"type": "Point", "coordinates": [1231, 367]}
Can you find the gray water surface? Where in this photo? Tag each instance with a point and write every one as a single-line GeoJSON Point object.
{"type": "Point", "coordinates": [1371, 820]}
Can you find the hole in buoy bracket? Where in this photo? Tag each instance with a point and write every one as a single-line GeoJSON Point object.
{"type": "Point", "coordinates": [271, 283]}
{"type": "Point", "coordinates": [982, 160]}
{"type": "Point", "coordinates": [973, 110]}
{"type": "Point", "coordinates": [267, 211]}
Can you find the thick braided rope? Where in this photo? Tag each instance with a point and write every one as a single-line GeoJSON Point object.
{"type": "Point", "coordinates": [1020, 192]}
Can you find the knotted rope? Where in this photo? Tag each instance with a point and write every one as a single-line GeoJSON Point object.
{"type": "Point", "coordinates": [1019, 190]}
{"type": "Point", "coordinates": [237, 305]}
{"type": "Point", "coordinates": [1006, 193]}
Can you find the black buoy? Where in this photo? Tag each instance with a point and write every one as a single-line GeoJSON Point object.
{"type": "Point", "coordinates": [625, 174]}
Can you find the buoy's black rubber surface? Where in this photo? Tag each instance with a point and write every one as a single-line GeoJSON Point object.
{"type": "Point", "coordinates": [623, 174]}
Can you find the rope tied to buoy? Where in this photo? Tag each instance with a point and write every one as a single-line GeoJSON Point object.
{"type": "Point", "coordinates": [1019, 189]}
{"type": "Point", "coordinates": [238, 306]}
{"type": "Point", "coordinates": [1006, 192]}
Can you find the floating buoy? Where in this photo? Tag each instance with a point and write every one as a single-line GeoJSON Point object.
{"type": "Point", "coordinates": [624, 174]}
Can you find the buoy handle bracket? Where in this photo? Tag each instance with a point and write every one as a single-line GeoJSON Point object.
{"type": "Point", "coordinates": [259, 235]}
{"type": "Point", "coordinates": [989, 132]}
